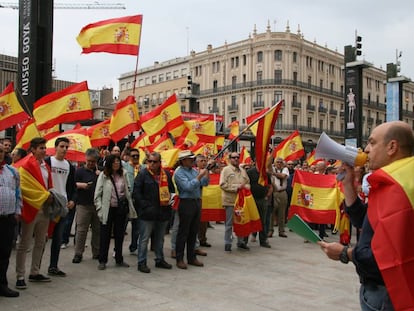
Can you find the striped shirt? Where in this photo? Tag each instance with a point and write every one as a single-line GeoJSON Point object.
{"type": "Point", "coordinates": [10, 194]}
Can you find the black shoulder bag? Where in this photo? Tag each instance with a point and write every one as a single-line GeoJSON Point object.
{"type": "Point", "coordinates": [123, 206]}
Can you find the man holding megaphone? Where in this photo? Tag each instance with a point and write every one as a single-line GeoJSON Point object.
{"type": "Point", "coordinates": [384, 254]}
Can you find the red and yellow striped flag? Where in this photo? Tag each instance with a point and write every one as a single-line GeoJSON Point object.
{"type": "Point", "coordinates": [68, 105]}
{"type": "Point", "coordinates": [234, 129]}
{"type": "Point", "coordinates": [11, 112]}
{"type": "Point", "coordinates": [99, 134]}
{"type": "Point", "coordinates": [34, 191]}
{"type": "Point", "coordinates": [78, 144]}
{"type": "Point", "coordinates": [253, 117]}
{"type": "Point", "coordinates": [204, 128]}
{"type": "Point", "coordinates": [211, 201]}
{"type": "Point", "coordinates": [316, 198]}
{"type": "Point", "coordinates": [26, 134]}
{"type": "Point", "coordinates": [125, 119]}
{"type": "Point", "coordinates": [245, 157]}
{"type": "Point", "coordinates": [164, 118]}
{"type": "Point", "coordinates": [246, 218]}
{"type": "Point", "coordinates": [117, 35]}
{"type": "Point", "coordinates": [391, 215]}
{"type": "Point", "coordinates": [290, 148]}
{"type": "Point", "coordinates": [162, 143]}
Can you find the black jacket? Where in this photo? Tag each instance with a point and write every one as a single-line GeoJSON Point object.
{"type": "Point", "coordinates": [146, 197]}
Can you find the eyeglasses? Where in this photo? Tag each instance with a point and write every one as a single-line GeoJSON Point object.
{"type": "Point", "coordinates": [135, 156]}
{"type": "Point", "coordinates": [235, 157]}
{"type": "Point", "coordinates": [152, 161]}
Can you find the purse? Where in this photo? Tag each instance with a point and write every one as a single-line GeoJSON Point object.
{"type": "Point", "coordinates": [123, 205]}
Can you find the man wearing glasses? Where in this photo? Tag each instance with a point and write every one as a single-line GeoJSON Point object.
{"type": "Point", "coordinates": [232, 178]}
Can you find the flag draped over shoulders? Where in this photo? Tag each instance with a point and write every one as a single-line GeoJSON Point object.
{"type": "Point", "coordinates": [117, 36]}
{"type": "Point", "coordinates": [34, 191]}
{"type": "Point", "coordinates": [391, 215]}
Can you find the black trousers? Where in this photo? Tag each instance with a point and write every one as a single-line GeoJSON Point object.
{"type": "Point", "coordinates": [189, 212]}
{"type": "Point", "coordinates": [116, 224]}
{"type": "Point", "coordinates": [7, 227]}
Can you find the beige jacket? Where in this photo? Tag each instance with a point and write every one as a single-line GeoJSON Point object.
{"type": "Point", "coordinates": [102, 197]}
{"type": "Point", "coordinates": [230, 180]}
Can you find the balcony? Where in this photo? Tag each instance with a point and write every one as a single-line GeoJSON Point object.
{"type": "Point", "coordinates": [333, 112]}
{"type": "Point", "coordinates": [296, 105]}
{"type": "Point", "coordinates": [378, 122]}
{"type": "Point", "coordinates": [258, 104]}
{"type": "Point", "coordinates": [233, 108]}
{"type": "Point", "coordinates": [342, 113]}
{"type": "Point", "coordinates": [213, 110]}
{"type": "Point", "coordinates": [370, 120]}
{"type": "Point", "coordinates": [310, 107]}
{"type": "Point", "coordinates": [322, 109]}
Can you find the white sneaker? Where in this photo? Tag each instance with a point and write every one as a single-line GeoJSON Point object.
{"type": "Point", "coordinates": [63, 246]}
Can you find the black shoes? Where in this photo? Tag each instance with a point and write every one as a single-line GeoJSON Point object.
{"type": "Point", "coordinates": [227, 247]}
{"type": "Point", "coordinates": [163, 264]}
{"type": "Point", "coordinates": [102, 266]}
{"type": "Point", "coordinates": [243, 246]}
{"type": "Point", "coordinates": [38, 278]}
{"type": "Point", "coordinates": [205, 244]}
{"type": "Point", "coordinates": [144, 268]}
{"type": "Point", "coordinates": [21, 284]}
{"type": "Point", "coordinates": [265, 244]}
{"type": "Point", "coordinates": [54, 271]}
{"type": "Point", "coordinates": [122, 264]}
{"type": "Point", "coordinates": [77, 259]}
{"type": "Point", "coordinates": [5, 291]}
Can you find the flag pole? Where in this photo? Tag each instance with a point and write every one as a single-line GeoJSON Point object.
{"type": "Point", "coordinates": [247, 128]}
{"type": "Point", "coordinates": [136, 65]}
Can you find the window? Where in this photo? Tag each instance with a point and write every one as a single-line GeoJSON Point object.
{"type": "Point", "coordinates": [244, 78]}
{"type": "Point", "coordinates": [232, 62]}
{"type": "Point", "coordinates": [295, 121]}
{"type": "Point", "coordinates": [278, 55]}
{"type": "Point", "coordinates": [215, 86]}
{"type": "Point", "coordinates": [175, 75]}
{"type": "Point", "coordinates": [161, 77]}
{"type": "Point", "coordinates": [237, 62]}
{"type": "Point", "coordinates": [259, 97]}
{"type": "Point", "coordinates": [309, 122]}
{"type": "Point", "coordinates": [309, 100]}
{"type": "Point", "coordinates": [295, 56]}
{"type": "Point", "coordinates": [154, 79]}
{"type": "Point", "coordinates": [244, 60]}
{"type": "Point", "coordinates": [233, 81]}
{"type": "Point", "coordinates": [331, 126]}
{"type": "Point", "coordinates": [233, 119]}
{"type": "Point", "coordinates": [320, 124]}
{"type": "Point", "coordinates": [295, 77]}
{"type": "Point", "coordinates": [259, 56]}
{"type": "Point", "coordinates": [215, 106]}
{"type": "Point", "coordinates": [259, 77]}
{"type": "Point", "coordinates": [309, 81]}
{"type": "Point", "coordinates": [278, 76]}
{"type": "Point", "coordinates": [332, 86]}
{"type": "Point", "coordinates": [168, 76]}
{"type": "Point", "coordinates": [278, 96]}
{"type": "Point", "coordinates": [233, 101]}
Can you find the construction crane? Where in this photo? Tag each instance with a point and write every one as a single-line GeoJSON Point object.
{"type": "Point", "coordinates": [72, 6]}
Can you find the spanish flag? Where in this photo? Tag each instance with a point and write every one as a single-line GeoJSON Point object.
{"type": "Point", "coordinates": [169, 158]}
{"type": "Point", "coordinates": [117, 35]}
{"type": "Point", "coordinates": [265, 130]}
{"type": "Point", "coordinates": [164, 118]}
{"type": "Point", "coordinates": [162, 143]}
{"type": "Point", "coordinates": [211, 201]}
{"type": "Point", "coordinates": [11, 112]}
{"type": "Point", "coordinates": [234, 130]}
{"type": "Point", "coordinates": [26, 134]}
{"type": "Point", "coordinates": [290, 148]}
{"type": "Point", "coordinates": [34, 191]}
{"type": "Point", "coordinates": [219, 142]}
{"type": "Point", "coordinates": [99, 134]}
{"type": "Point", "coordinates": [245, 157]}
{"type": "Point", "coordinates": [68, 105]}
{"type": "Point", "coordinates": [316, 198]}
{"type": "Point", "coordinates": [246, 218]}
{"type": "Point", "coordinates": [124, 119]}
{"type": "Point", "coordinates": [204, 128]}
{"type": "Point", "coordinates": [78, 144]}
{"type": "Point", "coordinates": [253, 117]}
{"type": "Point", "coordinates": [50, 132]}
{"type": "Point", "coordinates": [187, 140]}
{"type": "Point", "coordinates": [206, 149]}
{"type": "Point", "coordinates": [391, 215]}
{"type": "Point", "coordinates": [311, 160]}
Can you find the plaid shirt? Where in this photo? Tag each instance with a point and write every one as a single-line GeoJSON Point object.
{"type": "Point", "coordinates": [10, 194]}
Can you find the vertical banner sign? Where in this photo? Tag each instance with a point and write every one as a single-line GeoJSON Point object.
{"type": "Point", "coordinates": [353, 106]}
{"type": "Point", "coordinates": [393, 101]}
{"type": "Point", "coordinates": [34, 74]}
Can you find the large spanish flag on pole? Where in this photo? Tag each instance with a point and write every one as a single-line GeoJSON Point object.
{"type": "Point", "coordinates": [34, 191]}
{"type": "Point", "coordinates": [117, 35]}
{"type": "Point", "coordinates": [68, 105]}
{"type": "Point", "coordinates": [211, 201]}
{"type": "Point", "coordinates": [391, 215]}
{"type": "Point", "coordinates": [316, 198]}
{"type": "Point", "coordinates": [11, 112]}
{"type": "Point", "coordinates": [124, 119]}
{"type": "Point", "coordinates": [253, 117]}
{"type": "Point", "coordinates": [164, 118]}
{"type": "Point", "coordinates": [265, 130]}
{"type": "Point", "coordinates": [234, 129]}
{"type": "Point", "coordinates": [78, 144]}
{"type": "Point", "coordinates": [291, 148]}
{"type": "Point", "coordinates": [204, 128]}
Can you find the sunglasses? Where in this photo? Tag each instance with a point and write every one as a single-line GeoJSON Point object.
{"type": "Point", "coordinates": [135, 156]}
{"type": "Point", "coordinates": [152, 161]}
{"type": "Point", "coordinates": [235, 157]}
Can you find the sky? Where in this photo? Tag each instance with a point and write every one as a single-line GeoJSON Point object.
{"type": "Point", "coordinates": [173, 28]}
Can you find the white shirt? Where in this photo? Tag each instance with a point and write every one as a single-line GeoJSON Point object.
{"type": "Point", "coordinates": [60, 173]}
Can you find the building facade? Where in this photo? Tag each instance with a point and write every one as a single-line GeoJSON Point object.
{"type": "Point", "coordinates": [238, 79]}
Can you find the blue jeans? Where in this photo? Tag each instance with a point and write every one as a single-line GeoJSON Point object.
{"type": "Point", "coordinates": [134, 235]}
{"type": "Point", "coordinates": [146, 227]}
{"type": "Point", "coordinates": [374, 298]}
{"type": "Point", "coordinates": [228, 227]}
{"type": "Point", "coordinates": [56, 243]}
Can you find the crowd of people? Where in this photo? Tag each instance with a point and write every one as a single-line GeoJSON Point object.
{"type": "Point", "coordinates": [40, 195]}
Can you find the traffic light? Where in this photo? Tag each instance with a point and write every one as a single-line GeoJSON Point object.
{"type": "Point", "coordinates": [189, 83]}
{"type": "Point", "coordinates": [358, 45]}
{"type": "Point", "coordinates": [391, 70]}
{"type": "Point", "coordinates": [398, 66]}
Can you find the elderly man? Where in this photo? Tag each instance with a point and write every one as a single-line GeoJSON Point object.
{"type": "Point", "coordinates": [232, 178]}
{"type": "Point", "coordinates": [189, 182]}
{"type": "Point", "coordinates": [383, 254]}
{"type": "Point", "coordinates": [152, 192]}
{"type": "Point", "coordinates": [279, 178]}
{"type": "Point", "coordinates": [10, 209]}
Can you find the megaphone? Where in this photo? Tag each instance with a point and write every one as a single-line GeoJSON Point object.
{"type": "Point", "coordinates": [329, 149]}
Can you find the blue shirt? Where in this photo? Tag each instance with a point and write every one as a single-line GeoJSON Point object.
{"type": "Point", "coordinates": [188, 186]}
{"type": "Point", "coordinates": [10, 194]}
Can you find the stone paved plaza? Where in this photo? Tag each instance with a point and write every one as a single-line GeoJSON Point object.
{"type": "Point", "coordinates": [292, 275]}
